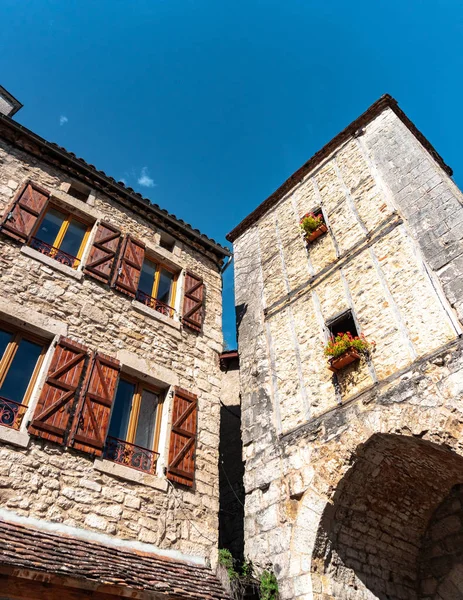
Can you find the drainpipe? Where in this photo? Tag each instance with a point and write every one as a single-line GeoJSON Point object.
{"type": "Point", "coordinates": [227, 264]}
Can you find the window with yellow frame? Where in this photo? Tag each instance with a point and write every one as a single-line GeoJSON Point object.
{"type": "Point", "coordinates": [21, 356]}
{"type": "Point", "coordinates": [157, 287]}
{"type": "Point", "coordinates": [133, 435]}
{"type": "Point", "coordinates": [62, 236]}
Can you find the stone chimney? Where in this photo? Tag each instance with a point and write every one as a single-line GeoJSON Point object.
{"type": "Point", "coordinates": [8, 103]}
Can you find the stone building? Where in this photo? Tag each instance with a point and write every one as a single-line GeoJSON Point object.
{"type": "Point", "coordinates": [353, 475]}
{"type": "Point", "coordinates": [110, 337]}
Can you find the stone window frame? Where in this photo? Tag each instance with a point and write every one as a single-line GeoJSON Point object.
{"type": "Point", "coordinates": [26, 320]}
{"type": "Point", "coordinates": [153, 374]}
{"type": "Point", "coordinates": [66, 186]}
{"type": "Point", "coordinates": [345, 314]}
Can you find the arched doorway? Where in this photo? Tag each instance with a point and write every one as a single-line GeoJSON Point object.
{"type": "Point", "coordinates": [375, 537]}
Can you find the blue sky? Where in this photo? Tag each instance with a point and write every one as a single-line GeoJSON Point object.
{"type": "Point", "coordinates": [207, 106]}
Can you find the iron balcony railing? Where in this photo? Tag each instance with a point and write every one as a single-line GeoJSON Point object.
{"type": "Point", "coordinates": [155, 304]}
{"type": "Point", "coordinates": [130, 455]}
{"type": "Point", "coordinates": [59, 255]}
{"type": "Point", "coordinates": [11, 413]}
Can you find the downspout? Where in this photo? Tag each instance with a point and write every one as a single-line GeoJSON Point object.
{"type": "Point", "coordinates": [227, 264]}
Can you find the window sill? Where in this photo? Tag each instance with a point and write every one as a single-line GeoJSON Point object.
{"type": "Point", "coordinates": [150, 312]}
{"type": "Point", "coordinates": [14, 437]}
{"type": "Point", "coordinates": [52, 263]}
{"type": "Point", "coordinates": [117, 470]}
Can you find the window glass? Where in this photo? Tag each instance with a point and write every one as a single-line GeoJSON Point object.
{"type": "Point", "coordinates": [121, 411]}
{"type": "Point", "coordinates": [21, 370]}
{"type": "Point", "coordinates": [50, 226]}
{"type": "Point", "coordinates": [146, 425]}
{"type": "Point", "coordinates": [147, 274]}
{"type": "Point", "coordinates": [5, 338]}
{"type": "Point", "coordinates": [165, 285]}
{"type": "Point", "coordinates": [73, 237]}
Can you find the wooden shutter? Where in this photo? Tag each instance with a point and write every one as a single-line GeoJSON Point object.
{"type": "Point", "coordinates": [193, 302]}
{"type": "Point", "coordinates": [23, 214]}
{"type": "Point", "coordinates": [102, 256]}
{"type": "Point", "coordinates": [182, 449]}
{"type": "Point", "coordinates": [127, 274]}
{"type": "Point", "coordinates": [91, 421]}
{"type": "Point", "coordinates": [54, 409]}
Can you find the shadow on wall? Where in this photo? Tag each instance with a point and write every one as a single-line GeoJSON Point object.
{"type": "Point", "coordinates": [394, 530]}
{"type": "Point", "coordinates": [231, 473]}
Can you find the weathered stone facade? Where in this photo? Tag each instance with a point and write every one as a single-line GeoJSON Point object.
{"type": "Point", "coordinates": [344, 471]}
{"type": "Point", "coordinates": [41, 480]}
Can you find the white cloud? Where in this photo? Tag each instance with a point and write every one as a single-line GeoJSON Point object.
{"type": "Point", "coordinates": [63, 120]}
{"type": "Point", "coordinates": [145, 180]}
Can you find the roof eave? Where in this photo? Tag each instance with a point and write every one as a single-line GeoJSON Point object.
{"type": "Point", "coordinates": [386, 101]}
{"type": "Point", "coordinates": [119, 188]}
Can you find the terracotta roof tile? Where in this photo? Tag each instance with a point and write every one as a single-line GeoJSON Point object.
{"type": "Point", "coordinates": [6, 123]}
{"type": "Point", "coordinates": [27, 548]}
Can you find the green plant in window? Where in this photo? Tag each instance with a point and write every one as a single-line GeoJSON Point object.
{"type": "Point", "coordinates": [310, 222]}
{"type": "Point", "coordinates": [342, 342]}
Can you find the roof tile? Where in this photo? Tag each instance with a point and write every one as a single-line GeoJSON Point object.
{"type": "Point", "coordinates": [24, 547]}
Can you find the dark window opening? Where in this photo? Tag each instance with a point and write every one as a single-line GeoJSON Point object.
{"type": "Point", "coordinates": [343, 324]}
{"type": "Point", "coordinates": [167, 242]}
{"type": "Point", "coordinates": [81, 193]}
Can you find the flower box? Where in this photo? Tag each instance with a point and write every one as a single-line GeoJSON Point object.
{"type": "Point", "coordinates": [340, 362]}
{"type": "Point", "coordinates": [316, 234]}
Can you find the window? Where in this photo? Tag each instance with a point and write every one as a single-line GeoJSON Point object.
{"type": "Point", "coordinates": [79, 191]}
{"type": "Point", "coordinates": [21, 357]}
{"type": "Point", "coordinates": [156, 287]}
{"type": "Point", "coordinates": [61, 236]}
{"type": "Point", "coordinates": [167, 242]}
{"type": "Point", "coordinates": [134, 427]}
{"type": "Point", "coordinates": [343, 323]}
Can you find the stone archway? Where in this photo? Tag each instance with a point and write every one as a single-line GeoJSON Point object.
{"type": "Point", "coordinates": [371, 539]}
{"type": "Point", "coordinates": [440, 563]}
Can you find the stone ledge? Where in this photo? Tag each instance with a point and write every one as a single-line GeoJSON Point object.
{"type": "Point", "coordinates": [52, 263]}
{"type": "Point", "coordinates": [146, 370]}
{"type": "Point", "coordinates": [150, 312]}
{"type": "Point", "coordinates": [16, 438]}
{"type": "Point", "coordinates": [74, 204]}
{"type": "Point", "coordinates": [112, 468]}
{"type": "Point", "coordinates": [27, 318]}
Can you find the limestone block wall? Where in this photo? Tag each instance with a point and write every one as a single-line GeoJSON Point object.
{"type": "Point", "coordinates": [302, 425]}
{"type": "Point", "coordinates": [47, 482]}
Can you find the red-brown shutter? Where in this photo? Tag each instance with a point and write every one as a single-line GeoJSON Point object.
{"type": "Point", "coordinates": [127, 274]}
{"type": "Point", "coordinates": [193, 302]}
{"type": "Point", "coordinates": [182, 449]}
{"type": "Point", "coordinates": [28, 206]}
{"type": "Point", "coordinates": [103, 253]}
{"type": "Point", "coordinates": [56, 403]}
{"type": "Point", "coordinates": [91, 420]}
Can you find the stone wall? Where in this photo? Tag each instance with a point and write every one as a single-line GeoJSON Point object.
{"type": "Point", "coordinates": [303, 427]}
{"type": "Point", "coordinates": [441, 558]}
{"type": "Point", "coordinates": [46, 481]}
